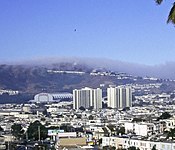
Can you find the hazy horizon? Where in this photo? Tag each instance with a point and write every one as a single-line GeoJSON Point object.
{"type": "Point", "coordinates": [165, 70]}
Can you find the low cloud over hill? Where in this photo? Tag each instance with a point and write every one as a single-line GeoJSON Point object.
{"type": "Point", "coordinates": [166, 70]}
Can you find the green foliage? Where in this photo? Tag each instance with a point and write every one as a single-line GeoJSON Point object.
{"type": "Point", "coordinates": [106, 147]}
{"type": "Point", "coordinates": [109, 148]}
{"type": "Point", "coordinates": [133, 148]}
{"type": "Point", "coordinates": [112, 127]}
{"type": "Point", "coordinates": [159, 1]}
{"type": "Point", "coordinates": [91, 117]}
{"type": "Point", "coordinates": [171, 16]}
{"type": "Point", "coordinates": [100, 141]}
{"type": "Point", "coordinates": [42, 147]}
{"type": "Point", "coordinates": [82, 108]}
{"type": "Point", "coordinates": [171, 133]}
{"type": "Point", "coordinates": [67, 128]}
{"type": "Point", "coordinates": [126, 109]}
{"type": "Point", "coordinates": [78, 116]}
{"type": "Point", "coordinates": [137, 120]}
{"type": "Point", "coordinates": [34, 129]}
{"type": "Point", "coordinates": [45, 112]}
{"type": "Point", "coordinates": [43, 119]}
{"type": "Point", "coordinates": [121, 130]}
{"type": "Point", "coordinates": [91, 108]}
{"type": "Point", "coordinates": [164, 115]}
{"type": "Point", "coordinates": [17, 130]}
{"type": "Point", "coordinates": [154, 147]}
{"type": "Point", "coordinates": [1, 129]}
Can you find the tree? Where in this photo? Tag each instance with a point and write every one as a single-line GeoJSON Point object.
{"type": "Point", "coordinates": [100, 141]}
{"type": "Point", "coordinates": [126, 109]}
{"type": "Point", "coordinates": [82, 108]}
{"type": "Point", "coordinates": [36, 130]}
{"type": "Point", "coordinates": [171, 133]}
{"type": "Point", "coordinates": [17, 131]}
{"type": "Point", "coordinates": [171, 16]}
{"type": "Point", "coordinates": [133, 148]}
{"type": "Point", "coordinates": [154, 147]}
{"type": "Point", "coordinates": [1, 129]}
{"type": "Point", "coordinates": [106, 147]}
{"type": "Point", "coordinates": [91, 108]}
{"type": "Point", "coordinates": [67, 128]}
{"type": "Point", "coordinates": [91, 117]}
{"type": "Point", "coordinates": [109, 148]}
{"type": "Point", "coordinates": [121, 130]}
{"type": "Point", "coordinates": [45, 112]}
{"type": "Point", "coordinates": [113, 148]}
{"type": "Point", "coordinates": [164, 115]}
{"type": "Point", "coordinates": [137, 120]}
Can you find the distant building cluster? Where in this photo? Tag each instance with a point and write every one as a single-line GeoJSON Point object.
{"type": "Point", "coordinates": [66, 72]}
{"type": "Point", "coordinates": [121, 124]}
{"type": "Point", "coordinates": [137, 115]}
{"type": "Point", "coordinates": [10, 92]}
{"type": "Point", "coordinates": [117, 97]}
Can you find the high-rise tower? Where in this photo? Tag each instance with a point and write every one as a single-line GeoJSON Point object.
{"type": "Point", "coordinates": [87, 97]}
{"type": "Point", "coordinates": [119, 97]}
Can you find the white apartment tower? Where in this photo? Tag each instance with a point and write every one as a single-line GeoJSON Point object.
{"type": "Point", "coordinates": [119, 97]}
{"type": "Point", "coordinates": [87, 97]}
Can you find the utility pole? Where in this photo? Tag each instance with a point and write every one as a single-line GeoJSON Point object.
{"type": "Point", "coordinates": [39, 133]}
{"type": "Point", "coordinates": [26, 135]}
{"type": "Point", "coordinates": [8, 145]}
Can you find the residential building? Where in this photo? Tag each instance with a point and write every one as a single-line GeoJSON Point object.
{"type": "Point", "coordinates": [87, 97]}
{"type": "Point", "coordinates": [124, 142]}
{"type": "Point", "coordinates": [119, 97]}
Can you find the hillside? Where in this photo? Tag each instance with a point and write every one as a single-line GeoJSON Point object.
{"type": "Point", "coordinates": [30, 79]}
{"type": "Point", "coordinates": [34, 79]}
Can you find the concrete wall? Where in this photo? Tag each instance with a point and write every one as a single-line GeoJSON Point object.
{"type": "Point", "coordinates": [72, 141]}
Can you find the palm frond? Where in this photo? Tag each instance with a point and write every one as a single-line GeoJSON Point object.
{"type": "Point", "coordinates": [159, 1]}
{"type": "Point", "coordinates": [171, 17]}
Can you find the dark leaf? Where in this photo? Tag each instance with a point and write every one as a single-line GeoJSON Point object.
{"type": "Point", "coordinates": [159, 1]}
{"type": "Point", "coordinates": [171, 17]}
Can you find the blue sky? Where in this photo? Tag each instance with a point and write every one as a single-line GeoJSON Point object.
{"type": "Point", "coordinates": [125, 30]}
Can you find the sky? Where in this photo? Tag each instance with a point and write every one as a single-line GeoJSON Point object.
{"type": "Point", "coordinates": [129, 31]}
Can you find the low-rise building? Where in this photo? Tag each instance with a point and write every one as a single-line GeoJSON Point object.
{"type": "Point", "coordinates": [126, 142]}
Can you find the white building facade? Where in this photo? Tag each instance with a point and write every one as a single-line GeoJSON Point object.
{"type": "Point", "coordinates": [120, 143]}
{"type": "Point", "coordinates": [87, 97]}
{"type": "Point", "coordinates": [119, 97]}
{"type": "Point", "coordinates": [51, 97]}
